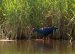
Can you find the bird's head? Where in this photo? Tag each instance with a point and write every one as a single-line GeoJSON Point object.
{"type": "Point", "coordinates": [35, 30]}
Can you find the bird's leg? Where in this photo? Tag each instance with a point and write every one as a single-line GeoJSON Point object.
{"type": "Point", "coordinates": [47, 38]}
{"type": "Point", "coordinates": [44, 38]}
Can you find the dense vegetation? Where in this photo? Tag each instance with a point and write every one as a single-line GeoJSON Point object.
{"type": "Point", "coordinates": [18, 17]}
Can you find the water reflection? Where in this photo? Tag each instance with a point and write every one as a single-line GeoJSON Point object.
{"type": "Point", "coordinates": [37, 47]}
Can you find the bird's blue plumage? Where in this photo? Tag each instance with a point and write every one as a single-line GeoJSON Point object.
{"type": "Point", "coordinates": [45, 31]}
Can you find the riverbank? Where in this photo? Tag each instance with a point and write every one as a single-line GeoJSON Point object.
{"type": "Point", "coordinates": [6, 40]}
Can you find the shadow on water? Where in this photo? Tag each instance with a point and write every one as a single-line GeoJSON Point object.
{"type": "Point", "coordinates": [37, 47]}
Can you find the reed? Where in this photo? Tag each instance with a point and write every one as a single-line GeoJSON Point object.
{"type": "Point", "coordinates": [22, 15]}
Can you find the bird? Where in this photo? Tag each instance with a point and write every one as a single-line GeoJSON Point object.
{"type": "Point", "coordinates": [44, 31]}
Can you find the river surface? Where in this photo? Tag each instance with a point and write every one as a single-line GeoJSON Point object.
{"type": "Point", "coordinates": [37, 47]}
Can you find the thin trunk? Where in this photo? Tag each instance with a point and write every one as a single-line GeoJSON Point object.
{"type": "Point", "coordinates": [72, 32]}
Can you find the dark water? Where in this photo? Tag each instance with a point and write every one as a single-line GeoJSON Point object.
{"type": "Point", "coordinates": [37, 47]}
